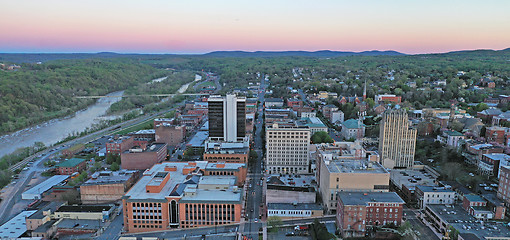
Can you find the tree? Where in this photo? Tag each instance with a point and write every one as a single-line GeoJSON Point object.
{"type": "Point", "coordinates": [114, 166]}
{"type": "Point", "coordinates": [253, 156]}
{"type": "Point", "coordinates": [274, 222]}
{"type": "Point", "coordinates": [321, 137]}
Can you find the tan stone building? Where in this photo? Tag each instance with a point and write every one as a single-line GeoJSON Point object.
{"type": "Point", "coordinates": [397, 140]}
{"type": "Point", "coordinates": [287, 148]}
{"type": "Point", "coordinates": [336, 174]}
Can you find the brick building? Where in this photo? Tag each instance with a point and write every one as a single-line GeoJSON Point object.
{"type": "Point", "coordinates": [71, 166]}
{"type": "Point", "coordinates": [138, 158]}
{"type": "Point", "coordinates": [504, 185]}
{"type": "Point", "coordinates": [358, 210]}
{"type": "Point", "coordinates": [232, 152]}
{"type": "Point", "coordinates": [388, 98]}
{"type": "Point", "coordinates": [183, 195]}
{"type": "Point", "coordinates": [496, 134]}
{"type": "Point", "coordinates": [107, 186]}
{"type": "Point", "coordinates": [172, 135]}
{"type": "Point", "coordinates": [116, 146]}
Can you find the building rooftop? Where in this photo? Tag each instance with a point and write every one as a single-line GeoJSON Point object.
{"type": "Point", "coordinates": [497, 156]}
{"type": "Point", "coordinates": [273, 100]}
{"type": "Point", "coordinates": [352, 123]}
{"type": "Point", "coordinates": [84, 208]}
{"type": "Point", "coordinates": [453, 133]}
{"type": "Point", "coordinates": [79, 224]}
{"type": "Point", "coordinates": [411, 178]}
{"type": "Point", "coordinates": [474, 198]}
{"type": "Point", "coordinates": [458, 218]}
{"type": "Point", "coordinates": [224, 166]}
{"type": "Point", "coordinates": [199, 139]}
{"type": "Point", "coordinates": [16, 226]}
{"type": "Point", "coordinates": [363, 198]}
{"type": "Point", "coordinates": [182, 176]}
{"type": "Point", "coordinates": [73, 162]}
{"type": "Point", "coordinates": [109, 177]}
{"type": "Point", "coordinates": [50, 206]}
{"type": "Point", "coordinates": [355, 166]}
{"type": "Point", "coordinates": [46, 185]}
{"type": "Point", "coordinates": [433, 189]}
{"type": "Point", "coordinates": [227, 147]}
{"type": "Point", "coordinates": [145, 131]}
{"type": "Point", "coordinates": [293, 206]}
{"type": "Point", "coordinates": [312, 122]}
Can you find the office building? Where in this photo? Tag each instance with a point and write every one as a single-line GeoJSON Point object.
{"type": "Point", "coordinates": [227, 118]}
{"type": "Point", "coordinates": [287, 148]}
{"type": "Point", "coordinates": [185, 195]}
{"type": "Point", "coordinates": [397, 140]}
{"type": "Point", "coordinates": [336, 173]}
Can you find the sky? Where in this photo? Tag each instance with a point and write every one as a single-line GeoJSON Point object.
{"type": "Point", "coordinates": [192, 26]}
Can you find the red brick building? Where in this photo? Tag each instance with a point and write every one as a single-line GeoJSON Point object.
{"type": "Point", "coordinates": [496, 134]}
{"type": "Point", "coordinates": [138, 158]}
{"type": "Point", "coordinates": [184, 195]}
{"type": "Point", "coordinates": [116, 146]}
{"type": "Point", "coordinates": [388, 98]}
{"type": "Point", "coordinates": [294, 103]}
{"type": "Point", "coordinates": [71, 166]}
{"type": "Point", "coordinates": [504, 185]}
{"type": "Point", "coordinates": [358, 210]}
{"type": "Point", "coordinates": [170, 134]}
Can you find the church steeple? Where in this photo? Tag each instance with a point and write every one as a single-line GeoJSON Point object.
{"type": "Point", "coordinates": [365, 91]}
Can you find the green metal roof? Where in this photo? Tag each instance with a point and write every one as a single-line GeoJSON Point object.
{"type": "Point", "coordinates": [73, 162]}
{"type": "Point", "coordinates": [454, 133]}
{"type": "Point", "coordinates": [352, 123]}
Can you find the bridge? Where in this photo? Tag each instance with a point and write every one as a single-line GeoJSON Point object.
{"type": "Point", "coordinates": [143, 95]}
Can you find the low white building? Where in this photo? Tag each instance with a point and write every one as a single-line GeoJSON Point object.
{"type": "Point", "coordinates": [434, 195]}
{"type": "Point", "coordinates": [37, 191]}
{"type": "Point", "coordinates": [294, 210]}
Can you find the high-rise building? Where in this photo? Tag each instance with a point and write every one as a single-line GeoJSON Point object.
{"type": "Point", "coordinates": [397, 140]}
{"type": "Point", "coordinates": [287, 148]}
{"type": "Point", "coordinates": [227, 118]}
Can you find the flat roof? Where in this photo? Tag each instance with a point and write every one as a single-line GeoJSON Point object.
{"type": "Point", "coordinates": [16, 226]}
{"type": "Point", "coordinates": [363, 198]}
{"type": "Point", "coordinates": [84, 208]}
{"type": "Point", "coordinates": [73, 162]}
{"type": "Point", "coordinates": [227, 166]}
{"type": "Point", "coordinates": [212, 196]}
{"type": "Point", "coordinates": [293, 206]}
{"type": "Point", "coordinates": [403, 177]}
{"type": "Point", "coordinates": [458, 218]}
{"type": "Point", "coordinates": [217, 180]}
{"type": "Point", "coordinates": [46, 185]}
{"type": "Point", "coordinates": [79, 224]}
{"type": "Point", "coordinates": [177, 184]}
{"type": "Point", "coordinates": [109, 177]}
{"type": "Point", "coordinates": [497, 156]}
{"type": "Point", "coordinates": [199, 139]}
{"type": "Point", "coordinates": [355, 166]}
{"type": "Point", "coordinates": [433, 189]}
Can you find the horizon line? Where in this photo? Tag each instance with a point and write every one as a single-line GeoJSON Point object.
{"type": "Point", "coordinates": [246, 51]}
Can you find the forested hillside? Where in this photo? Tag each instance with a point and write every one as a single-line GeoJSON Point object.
{"type": "Point", "coordinates": [40, 92]}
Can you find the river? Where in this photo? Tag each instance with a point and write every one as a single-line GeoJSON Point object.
{"type": "Point", "coordinates": [55, 130]}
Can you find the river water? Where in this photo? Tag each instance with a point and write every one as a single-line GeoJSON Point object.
{"type": "Point", "coordinates": [55, 130]}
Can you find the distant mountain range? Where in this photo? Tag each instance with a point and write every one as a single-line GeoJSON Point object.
{"type": "Point", "coordinates": [43, 57]}
{"type": "Point", "coordinates": [324, 53]}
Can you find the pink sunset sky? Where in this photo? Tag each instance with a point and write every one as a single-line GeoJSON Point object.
{"type": "Point", "coordinates": [193, 26]}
